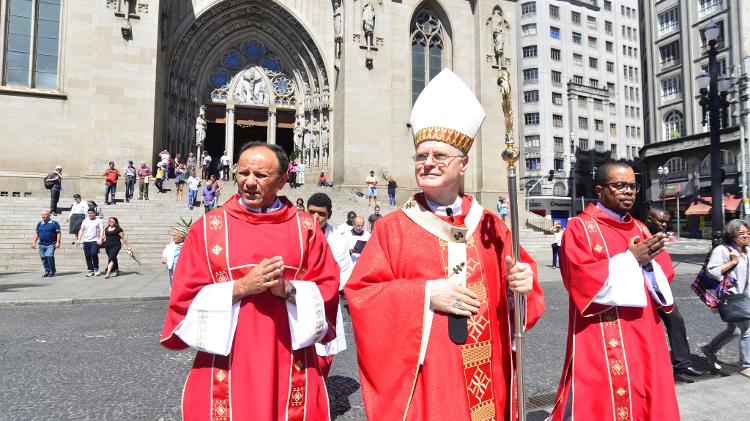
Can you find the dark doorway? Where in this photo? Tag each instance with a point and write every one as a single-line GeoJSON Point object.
{"type": "Point", "coordinates": [285, 130]}
{"type": "Point", "coordinates": [214, 143]}
{"type": "Point", "coordinates": [243, 135]}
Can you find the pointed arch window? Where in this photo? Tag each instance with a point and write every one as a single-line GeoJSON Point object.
{"type": "Point", "coordinates": [427, 50]}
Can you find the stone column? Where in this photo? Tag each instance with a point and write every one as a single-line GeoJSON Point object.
{"type": "Point", "coordinates": [271, 132]}
{"type": "Point", "coordinates": [229, 131]}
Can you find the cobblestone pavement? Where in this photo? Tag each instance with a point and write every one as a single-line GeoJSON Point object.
{"type": "Point", "coordinates": [103, 361]}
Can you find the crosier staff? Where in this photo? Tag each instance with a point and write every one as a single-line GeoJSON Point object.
{"type": "Point", "coordinates": [510, 155]}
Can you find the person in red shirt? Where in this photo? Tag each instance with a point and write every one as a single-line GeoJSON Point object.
{"type": "Point", "coordinates": [110, 183]}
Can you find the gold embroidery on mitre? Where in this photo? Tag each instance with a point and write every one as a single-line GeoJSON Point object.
{"type": "Point", "coordinates": [613, 342]}
{"type": "Point", "coordinates": [617, 367]}
{"type": "Point", "coordinates": [220, 376]}
{"type": "Point", "coordinates": [444, 134]}
{"type": "Point", "coordinates": [621, 392]}
{"type": "Point", "coordinates": [622, 413]}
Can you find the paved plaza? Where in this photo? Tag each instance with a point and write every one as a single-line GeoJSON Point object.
{"type": "Point", "coordinates": [78, 348]}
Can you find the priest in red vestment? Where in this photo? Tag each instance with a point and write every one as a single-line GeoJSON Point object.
{"type": "Point", "coordinates": [429, 296]}
{"type": "Point", "coordinates": [256, 288]}
{"type": "Point", "coordinates": [617, 365]}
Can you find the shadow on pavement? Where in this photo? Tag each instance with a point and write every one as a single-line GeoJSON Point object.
{"type": "Point", "coordinates": [11, 274]}
{"type": "Point", "coordinates": [340, 388]}
{"type": "Point", "coordinates": [15, 287]}
{"type": "Point", "coordinates": [537, 415]}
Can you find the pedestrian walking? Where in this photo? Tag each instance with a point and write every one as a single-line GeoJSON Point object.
{"type": "Point", "coordinates": [193, 183]}
{"type": "Point", "coordinates": [91, 205]}
{"type": "Point", "coordinates": [114, 236]}
{"type": "Point", "coordinates": [180, 175]}
{"type": "Point", "coordinates": [372, 192]}
{"type": "Point", "coordinates": [131, 173]}
{"type": "Point", "coordinates": [191, 163]}
{"type": "Point", "coordinates": [91, 235]}
{"type": "Point", "coordinates": [111, 175]}
{"type": "Point", "coordinates": [217, 186]}
{"type": "Point", "coordinates": [172, 250]}
{"type": "Point", "coordinates": [557, 232]}
{"type": "Point", "coordinates": [144, 178]}
{"type": "Point", "coordinates": [48, 234]}
{"type": "Point", "coordinates": [224, 164]}
{"type": "Point", "coordinates": [77, 214]}
{"type": "Point", "coordinates": [206, 163]}
{"type": "Point", "coordinates": [209, 195]}
{"type": "Point", "coordinates": [159, 179]}
{"type": "Point", "coordinates": [300, 174]}
{"type": "Point", "coordinates": [657, 222]}
{"type": "Point", "coordinates": [502, 208]}
{"type": "Point", "coordinates": [374, 218]}
{"type": "Point", "coordinates": [53, 182]}
{"type": "Point", "coordinates": [292, 175]}
{"type": "Point", "coordinates": [730, 259]}
{"type": "Point", "coordinates": [392, 186]}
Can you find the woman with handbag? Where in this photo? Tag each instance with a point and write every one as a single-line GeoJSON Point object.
{"type": "Point", "coordinates": [731, 259]}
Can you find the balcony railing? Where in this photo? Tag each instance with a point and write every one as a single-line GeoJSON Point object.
{"type": "Point", "coordinates": [669, 63]}
{"type": "Point", "coordinates": [709, 7]}
{"type": "Point", "coordinates": [728, 169]}
{"type": "Point", "coordinates": [671, 97]}
{"type": "Point", "coordinates": [668, 29]}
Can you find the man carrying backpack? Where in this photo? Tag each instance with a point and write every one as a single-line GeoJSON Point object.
{"type": "Point", "coordinates": [53, 183]}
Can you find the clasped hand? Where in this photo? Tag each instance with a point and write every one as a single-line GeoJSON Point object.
{"type": "Point", "coordinates": [449, 296]}
{"type": "Point", "coordinates": [645, 250]}
{"type": "Point", "coordinates": [267, 275]}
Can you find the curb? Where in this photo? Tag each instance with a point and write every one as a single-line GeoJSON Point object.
{"type": "Point", "coordinates": [73, 301]}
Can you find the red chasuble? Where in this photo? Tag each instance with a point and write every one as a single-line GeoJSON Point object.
{"type": "Point", "coordinates": [386, 296]}
{"type": "Point", "coordinates": [617, 365]}
{"type": "Point", "coordinates": [261, 379]}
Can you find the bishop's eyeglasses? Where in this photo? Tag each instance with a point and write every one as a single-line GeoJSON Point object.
{"type": "Point", "coordinates": [439, 158]}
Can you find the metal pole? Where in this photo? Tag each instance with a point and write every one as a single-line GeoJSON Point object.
{"type": "Point", "coordinates": [717, 193]}
{"type": "Point", "coordinates": [510, 155]}
{"type": "Point", "coordinates": [677, 211]}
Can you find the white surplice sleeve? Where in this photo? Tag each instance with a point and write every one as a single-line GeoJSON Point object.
{"type": "Point", "coordinates": [307, 318]}
{"type": "Point", "coordinates": [211, 320]}
{"type": "Point", "coordinates": [624, 285]}
{"type": "Point", "coordinates": [658, 285]}
{"type": "Point", "coordinates": [426, 322]}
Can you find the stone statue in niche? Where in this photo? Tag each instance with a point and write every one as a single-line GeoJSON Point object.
{"type": "Point", "coordinates": [499, 27]}
{"type": "Point", "coordinates": [368, 23]}
{"type": "Point", "coordinates": [200, 127]}
{"type": "Point", "coordinates": [324, 136]}
{"type": "Point", "coordinates": [338, 27]}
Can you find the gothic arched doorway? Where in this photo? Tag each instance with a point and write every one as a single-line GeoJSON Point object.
{"type": "Point", "coordinates": [258, 74]}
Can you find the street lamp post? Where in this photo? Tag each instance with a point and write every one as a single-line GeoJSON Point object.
{"type": "Point", "coordinates": [663, 172]}
{"type": "Point", "coordinates": [709, 85]}
{"type": "Point", "coordinates": [573, 184]}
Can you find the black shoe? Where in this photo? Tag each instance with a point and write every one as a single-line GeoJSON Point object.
{"type": "Point", "coordinates": [46, 275]}
{"type": "Point", "coordinates": [51, 274]}
{"type": "Point", "coordinates": [680, 378]}
{"type": "Point", "coordinates": [692, 371]}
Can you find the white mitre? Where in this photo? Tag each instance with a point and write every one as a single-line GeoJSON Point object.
{"type": "Point", "coordinates": [447, 111]}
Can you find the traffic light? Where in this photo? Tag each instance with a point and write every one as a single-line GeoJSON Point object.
{"type": "Point", "coordinates": [551, 175]}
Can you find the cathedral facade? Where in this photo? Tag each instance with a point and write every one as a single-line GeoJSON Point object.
{"type": "Point", "coordinates": [331, 81]}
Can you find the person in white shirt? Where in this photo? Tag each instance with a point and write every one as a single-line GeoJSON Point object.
{"type": "Point", "coordinates": [557, 231]}
{"type": "Point", "coordinates": [224, 163]}
{"type": "Point", "coordinates": [91, 235]}
{"type": "Point", "coordinates": [301, 173]}
{"type": "Point", "coordinates": [319, 205]}
{"type": "Point", "coordinates": [172, 251]}
{"type": "Point", "coordinates": [193, 184]}
{"type": "Point", "coordinates": [206, 165]}
{"type": "Point", "coordinates": [347, 225]}
{"type": "Point", "coordinates": [357, 233]}
{"type": "Point", "coordinates": [77, 214]}
{"type": "Point", "coordinates": [372, 192]}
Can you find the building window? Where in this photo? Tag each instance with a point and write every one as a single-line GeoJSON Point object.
{"type": "Point", "coordinates": [610, 67]}
{"type": "Point", "coordinates": [676, 165]}
{"type": "Point", "coordinates": [722, 62]}
{"type": "Point", "coordinates": [559, 166]}
{"type": "Point", "coordinates": [32, 43]}
{"type": "Point", "coordinates": [706, 7]}
{"type": "Point", "coordinates": [592, 42]}
{"type": "Point", "coordinates": [558, 144]}
{"type": "Point", "coordinates": [593, 62]}
{"type": "Point", "coordinates": [613, 129]}
{"type": "Point", "coordinates": [607, 5]}
{"type": "Point", "coordinates": [575, 17]}
{"type": "Point", "coordinates": [557, 120]}
{"type": "Point", "coordinates": [531, 141]}
{"type": "Point", "coordinates": [577, 38]}
{"type": "Point", "coordinates": [529, 29]}
{"type": "Point", "coordinates": [554, 32]}
{"type": "Point", "coordinates": [610, 46]}
{"type": "Point", "coordinates": [555, 54]}
{"type": "Point", "coordinates": [559, 189]}
{"type": "Point", "coordinates": [669, 55]}
{"type": "Point", "coordinates": [531, 119]}
{"type": "Point", "coordinates": [554, 12]}
{"type": "Point", "coordinates": [599, 125]}
{"type": "Point", "coordinates": [583, 123]}
{"type": "Point", "coordinates": [528, 8]}
{"type": "Point", "coordinates": [530, 51]}
{"type": "Point", "coordinates": [530, 96]}
{"type": "Point", "coordinates": [594, 83]}
{"type": "Point", "coordinates": [578, 59]}
{"type": "Point", "coordinates": [533, 164]}
{"type": "Point", "coordinates": [608, 27]}
{"type": "Point", "coordinates": [598, 104]}
{"type": "Point", "coordinates": [674, 125]}
{"type": "Point", "coordinates": [533, 188]}
{"type": "Point", "coordinates": [556, 77]}
{"type": "Point", "coordinates": [591, 22]}
{"type": "Point", "coordinates": [671, 88]}
{"type": "Point", "coordinates": [611, 88]}
{"type": "Point", "coordinates": [530, 75]}
{"type": "Point", "coordinates": [556, 98]}
{"type": "Point", "coordinates": [578, 79]}
{"type": "Point", "coordinates": [583, 144]}
{"type": "Point", "coordinates": [719, 40]}
{"type": "Point", "coordinates": [612, 108]}
{"type": "Point", "coordinates": [582, 101]}
{"type": "Point", "coordinates": [599, 145]}
{"type": "Point", "coordinates": [426, 50]}
{"type": "Point", "coordinates": [669, 21]}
